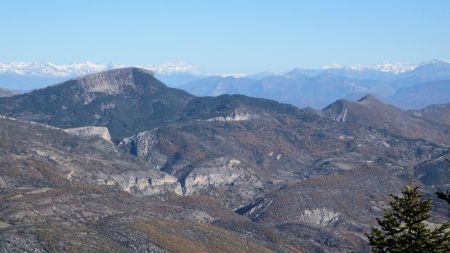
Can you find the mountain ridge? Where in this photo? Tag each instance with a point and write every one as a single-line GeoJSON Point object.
{"type": "Point", "coordinates": [119, 99]}
{"type": "Point", "coordinates": [7, 92]}
{"type": "Point", "coordinates": [370, 111]}
{"type": "Point", "coordinates": [319, 88]}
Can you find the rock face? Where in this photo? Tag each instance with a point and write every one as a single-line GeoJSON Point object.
{"type": "Point", "coordinates": [111, 82]}
{"type": "Point", "coordinates": [221, 172]}
{"type": "Point", "coordinates": [101, 132]}
{"type": "Point", "coordinates": [144, 182]}
{"type": "Point", "coordinates": [34, 155]}
{"type": "Point", "coordinates": [321, 217]}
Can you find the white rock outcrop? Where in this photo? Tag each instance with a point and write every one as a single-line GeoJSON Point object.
{"type": "Point", "coordinates": [222, 172]}
{"type": "Point", "coordinates": [342, 116]}
{"type": "Point", "coordinates": [144, 145]}
{"type": "Point", "coordinates": [321, 217]}
{"type": "Point", "coordinates": [235, 116]}
{"type": "Point", "coordinates": [138, 182]}
{"type": "Point", "coordinates": [101, 132]}
{"type": "Point", "coordinates": [109, 82]}
{"type": "Point", "coordinates": [144, 184]}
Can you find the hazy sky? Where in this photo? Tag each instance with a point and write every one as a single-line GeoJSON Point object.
{"type": "Point", "coordinates": [225, 36]}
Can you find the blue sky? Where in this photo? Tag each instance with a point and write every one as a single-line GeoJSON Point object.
{"type": "Point", "coordinates": [225, 36]}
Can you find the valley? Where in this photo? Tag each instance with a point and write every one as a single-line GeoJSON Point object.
{"type": "Point", "coordinates": [117, 161]}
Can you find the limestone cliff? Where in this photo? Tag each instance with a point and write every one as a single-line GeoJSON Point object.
{"type": "Point", "coordinates": [101, 132]}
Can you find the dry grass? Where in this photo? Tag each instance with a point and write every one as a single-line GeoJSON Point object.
{"type": "Point", "coordinates": [75, 239]}
{"type": "Point", "coordinates": [186, 237]}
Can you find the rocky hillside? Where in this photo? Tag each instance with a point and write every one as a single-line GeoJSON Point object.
{"type": "Point", "coordinates": [58, 189]}
{"type": "Point", "coordinates": [242, 150]}
{"type": "Point", "coordinates": [435, 113]}
{"type": "Point", "coordinates": [246, 146]}
{"type": "Point", "coordinates": [123, 100]}
{"type": "Point", "coordinates": [182, 171]}
{"type": "Point", "coordinates": [371, 112]}
{"type": "Point", "coordinates": [36, 156]}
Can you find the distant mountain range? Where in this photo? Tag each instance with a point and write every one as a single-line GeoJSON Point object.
{"type": "Point", "coordinates": [7, 92]}
{"type": "Point", "coordinates": [29, 76]}
{"type": "Point", "coordinates": [421, 95]}
{"type": "Point", "coordinates": [412, 87]}
{"type": "Point", "coordinates": [408, 86]}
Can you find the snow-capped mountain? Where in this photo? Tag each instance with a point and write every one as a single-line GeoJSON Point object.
{"type": "Point", "coordinates": [50, 69]}
{"type": "Point", "coordinates": [395, 68]}
{"type": "Point", "coordinates": [301, 87]}
{"type": "Point", "coordinates": [83, 68]}
{"type": "Point", "coordinates": [27, 76]}
{"type": "Point", "coordinates": [317, 88]}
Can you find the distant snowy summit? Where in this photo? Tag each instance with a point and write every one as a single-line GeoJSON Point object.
{"type": "Point", "coordinates": [395, 68]}
{"type": "Point", "coordinates": [407, 86]}
{"type": "Point", "coordinates": [50, 69]}
{"type": "Point", "coordinates": [84, 68]}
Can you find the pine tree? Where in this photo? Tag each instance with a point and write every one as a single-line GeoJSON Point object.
{"type": "Point", "coordinates": [403, 228]}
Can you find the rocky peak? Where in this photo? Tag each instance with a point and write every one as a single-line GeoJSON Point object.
{"type": "Point", "coordinates": [435, 113]}
{"type": "Point", "coordinates": [126, 101]}
{"type": "Point", "coordinates": [371, 112]}
{"type": "Point", "coordinates": [337, 111]}
{"type": "Point", "coordinates": [434, 64]}
{"type": "Point", "coordinates": [115, 81]}
{"type": "Point", "coordinates": [368, 108]}
{"type": "Point", "coordinates": [369, 99]}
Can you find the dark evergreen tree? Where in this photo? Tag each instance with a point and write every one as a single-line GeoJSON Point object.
{"type": "Point", "coordinates": [404, 227]}
{"type": "Point", "coordinates": [444, 195]}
